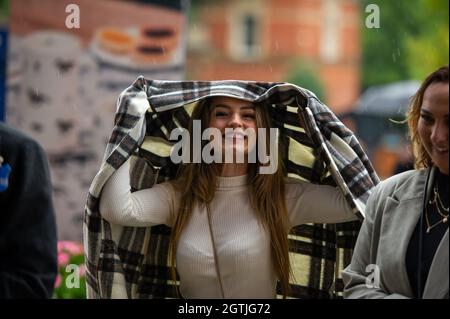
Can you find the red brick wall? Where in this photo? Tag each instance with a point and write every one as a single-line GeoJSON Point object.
{"type": "Point", "coordinates": [341, 85]}
{"type": "Point", "coordinates": [292, 32]}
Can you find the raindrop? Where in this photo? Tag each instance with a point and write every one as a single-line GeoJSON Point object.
{"type": "Point", "coordinates": [35, 99]}
{"type": "Point", "coordinates": [36, 127]}
{"type": "Point", "coordinates": [64, 66]}
{"type": "Point", "coordinates": [36, 66]}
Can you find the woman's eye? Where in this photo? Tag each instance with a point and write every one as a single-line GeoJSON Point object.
{"type": "Point", "coordinates": [426, 118]}
{"type": "Point", "coordinates": [250, 116]}
{"type": "Point", "coordinates": [219, 114]}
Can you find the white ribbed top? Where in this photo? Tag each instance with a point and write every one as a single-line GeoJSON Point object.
{"type": "Point", "coordinates": [243, 247]}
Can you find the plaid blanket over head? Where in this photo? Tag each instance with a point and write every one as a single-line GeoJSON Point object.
{"type": "Point", "coordinates": [133, 262]}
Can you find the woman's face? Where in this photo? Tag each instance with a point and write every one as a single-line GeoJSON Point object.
{"type": "Point", "coordinates": [433, 124]}
{"type": "Point", "coordinates": [238, 115]}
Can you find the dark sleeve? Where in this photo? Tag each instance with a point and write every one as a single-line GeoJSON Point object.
{"type": "Point", "coordinates": [28, 262]}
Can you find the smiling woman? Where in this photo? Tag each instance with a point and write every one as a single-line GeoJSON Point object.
{"type": "Point", "coordinates": [153, 228]}
{"type": "Point", "coordinates": [232, 137]}
{"type": "Point", "coordinates": [432, 126]}
{"type": "Point", "coordinates": [227, 218]}
{"type": "Point", "coordinates": [405, 233]}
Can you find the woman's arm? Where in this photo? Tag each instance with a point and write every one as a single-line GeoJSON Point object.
{"type": "Point", "coordinates": [311, 203]}
{"type": "Point", "coordinates": [147, 207]}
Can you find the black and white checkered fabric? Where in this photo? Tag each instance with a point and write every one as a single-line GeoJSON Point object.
{"type": "Point", "coordinates": [132, 262]}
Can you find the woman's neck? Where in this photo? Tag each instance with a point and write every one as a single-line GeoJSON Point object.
{"type": "Point", "coordinates": [234, 169]}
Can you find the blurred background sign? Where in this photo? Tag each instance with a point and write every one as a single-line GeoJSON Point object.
{"type": "Point", "coordinates": [67, 63]}
{"type": "Point", "coordinates": [3, 54]}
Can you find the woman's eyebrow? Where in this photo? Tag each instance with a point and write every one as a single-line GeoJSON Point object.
{"type": "Point", "coordinates": [425, 111]}
{"type": "Point", "coordinates": [222, 105]}
{"type": "Point", "coordinates": [252, 107]}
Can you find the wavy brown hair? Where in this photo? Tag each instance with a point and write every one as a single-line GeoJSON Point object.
{"type": "Point", "coordinates": [421, 157]}
{"type": "Point", "coordinates": [267, 195]}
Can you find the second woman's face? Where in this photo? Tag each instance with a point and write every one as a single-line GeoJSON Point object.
{"type": "Point", "coordinates": [433, 124]}
{"type": "Point", "coordinates": [235, 114]}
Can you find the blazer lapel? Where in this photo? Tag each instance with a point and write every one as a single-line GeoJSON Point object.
{"type": "Point", "coordinates": [397, 227]}
{"type": "Point", "coordinates": [436, 286]}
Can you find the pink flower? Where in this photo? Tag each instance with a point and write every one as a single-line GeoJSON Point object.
{"type": "Point", "coordinates": [63, 259]}
{"type": "Point", "coordinates": [82, 270]}
{"type": "Point", "coordinates": [58, 281]}
{"type": "Point", "coordinates": [71, 247]}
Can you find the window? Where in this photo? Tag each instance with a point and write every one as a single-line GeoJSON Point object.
{"type": "Point", "coordinates": [245, 25]}
{"type": "Point", "coordinates": [249, 25]}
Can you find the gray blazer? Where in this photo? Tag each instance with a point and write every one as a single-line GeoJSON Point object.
{"type": "Point", "coordinates": [392, 212]}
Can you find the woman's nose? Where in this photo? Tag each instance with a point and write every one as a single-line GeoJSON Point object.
{"type": "Point", "coordinates": [439, 135]}
{"type": "Point", "coordinates": [235, 120]}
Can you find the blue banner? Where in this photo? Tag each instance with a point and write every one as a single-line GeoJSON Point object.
{"type": "Point", "coordinates": [3, 56]}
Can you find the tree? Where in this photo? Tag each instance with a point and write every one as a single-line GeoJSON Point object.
{"type": "Point", "coordinates": [411, 42]}
{"type": "Point", "coordinates": [306, 78]}
{"type": "Point", "coordinates": [429, 50]}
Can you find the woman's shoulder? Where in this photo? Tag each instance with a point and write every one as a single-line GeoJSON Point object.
{"type": "Point", "coordinates": [407, 184]}
{"type": "Point", "coordinates": [166, 186]}
{"type": "Point", "coordinates": [294, 180]}
{"type": "Point", "coordinates": [293, 183]}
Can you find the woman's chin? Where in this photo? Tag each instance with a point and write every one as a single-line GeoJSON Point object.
{"type": "Point", "coordinates": [440, 159]}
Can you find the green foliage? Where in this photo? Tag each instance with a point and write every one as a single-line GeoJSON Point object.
{"type": "Point", "coordinates": [306, 78]}
{"type": "Point", "coordinates": [429, 50]}
{"type": "Point", "coordinates": [4, 10]}
{"type": "Point", "coordinates": [412, 40]}
{"type": "Point", "coordinates": [71, 279]}
{"type": "Point", "coordinates": [65, 291]}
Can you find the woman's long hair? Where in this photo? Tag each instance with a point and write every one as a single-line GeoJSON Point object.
{"type": "Point", "coordinates": [421, 158]}
{"type": "Point", "coordinates": [267, 195]}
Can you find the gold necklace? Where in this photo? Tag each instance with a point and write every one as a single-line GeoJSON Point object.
{"type": "Point", "coordinates": [440, 207]}
{"type": "Point", "coordinates": [438, 201]}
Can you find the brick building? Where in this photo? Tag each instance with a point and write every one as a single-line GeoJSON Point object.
{"type": "Point", "coordinates": [265, 40]}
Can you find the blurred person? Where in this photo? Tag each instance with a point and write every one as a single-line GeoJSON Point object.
{"type": "Point", "coordinates": [405, 160]}
{"type": "Point", "coordinates": [402, 249]}
{"type": "Point", "coordinates": [28, 260]}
